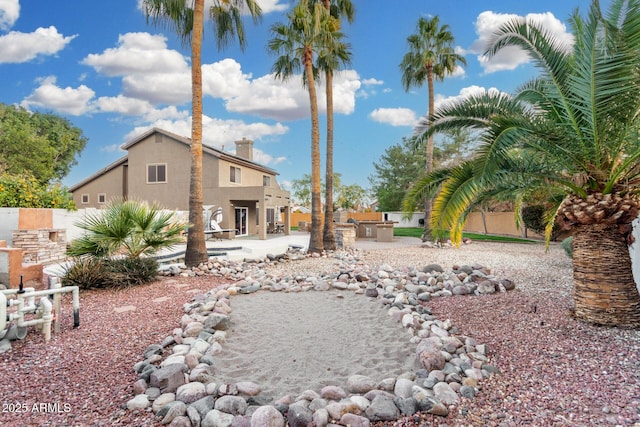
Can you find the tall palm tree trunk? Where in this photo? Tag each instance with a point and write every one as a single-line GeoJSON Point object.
{"type": "Point", "coordinates": [315, 239]}
{"type": "Point", "coordinates": [604, 289]}
{"type": "Point", "coordinates": [428, 203]}
{"type": "Point", "coordinates": [328, 235]}
{"type": "Point", "coordinates": [196, 251]}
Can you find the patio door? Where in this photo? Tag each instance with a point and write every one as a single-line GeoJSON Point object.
{"type": "Point", "coordinates": [241, 221]}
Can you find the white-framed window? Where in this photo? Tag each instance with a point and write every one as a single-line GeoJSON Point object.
{"type": "Point", "coordinates": [266, 181]}
{"type": "Point", "coordinates": [156, 173]}
{"type": "Point", "coordinates": [84, 199]}
{"type": "Point", "coordinates": [102, 198]}
{"type": "Point", "coordinates": [234, 175]}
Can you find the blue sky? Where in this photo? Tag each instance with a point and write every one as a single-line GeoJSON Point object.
{"type": "Point", "coordinates": [101, 65]}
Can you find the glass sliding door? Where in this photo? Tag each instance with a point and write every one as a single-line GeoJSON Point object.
{"type": "Point", "coordinates": [241, 221]}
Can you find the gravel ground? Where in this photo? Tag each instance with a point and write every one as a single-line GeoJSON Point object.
{"type": "Point", "coordinates": [555, 370]}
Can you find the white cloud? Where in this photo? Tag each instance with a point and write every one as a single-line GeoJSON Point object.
{"type": "Point", "coordinates": [465, 92]}
{"type": "Point", "coordinates": [161, 88]}
{"type": "Point", "coordinates": [269, 6]}
{"type": "Point", "coordinates": [138, 108]}
{"type": "Point", "coordinates": [138, 53]}
{"type": "Point", "coordinates": [372, 81]}
{"type": "Point", "coordinates": [269, 97]}
{"type": "Point", "coordinates": [17, 47]}
{"type": "Point", "coordinates": [510, 58]}
{"type": "Point", "coordinates": [74, 101]}
{"type": "Point", "coordinates": [9, 13]}
{"type": "Point", "coordinates": [394, 116]}
{"type": "Point", "coordinates": [113, 148]}
{"type": "Point", "coordinates": [165, 78]}
{"type": "Point", "coordinates": [224, 79]}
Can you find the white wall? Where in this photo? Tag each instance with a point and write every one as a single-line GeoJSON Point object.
{"type": "Point", "coordinates": [62, 218]}
{"type": "Point", "coordinates": [8, 223]}
{"type": "Point", "coordinates": [400, 221]}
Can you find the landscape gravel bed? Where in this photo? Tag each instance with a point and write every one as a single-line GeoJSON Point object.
{"type": "Point", "coordinates": [554, 370]}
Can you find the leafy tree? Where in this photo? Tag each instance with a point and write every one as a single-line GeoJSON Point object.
{"type": "Point", "coordinates": [41, 144]}
{"type": "Point", "coordinates": [431, 57]}
{"type": "Point", "coordinates": [571, 133]}
{"type": "Point", "coordinates": [331, 57]}
{"type": "Point", "coordinates": [186, 18]}
{"type": "Point", "coordinates": [130, 228]}
{"type": "Point", "coordinates": [297, 44]}
{"type": "Point", "coordinates": [401, 163]}
{"type": "Point", "coordinates": [24, 191]}
{"type": "Point", "coordinates": [394, 173]}
{"type": "Point", "coordinates": [302, 190]}
{"type": "Point", "coordinates": [351, 197]}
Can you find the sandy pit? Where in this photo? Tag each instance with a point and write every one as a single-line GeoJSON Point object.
{"type": "Point", "coordinates": [292, 342]}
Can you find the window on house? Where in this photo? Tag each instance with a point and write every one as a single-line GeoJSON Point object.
{"type": "Point", "coordinates": [156, 173]}
{"type": "Point", "coordinates": [266, 181]}
{"type": "Point", "coordinates": [84, 199]}
{"type": "Point", "coordinates": [158, 137]}
{"type": "Point", "coordinates": [102, 198]}
{"type": "Point", "coordinates": [234, 175]}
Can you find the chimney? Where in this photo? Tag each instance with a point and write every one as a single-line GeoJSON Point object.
{"type": "Point", "coordinates": [244, 149]}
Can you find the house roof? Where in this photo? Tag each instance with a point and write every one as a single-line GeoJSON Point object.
{"type": "Point", "coordinates": [184, 140]}
{"type": "Point", "coordinates": [102, 171]}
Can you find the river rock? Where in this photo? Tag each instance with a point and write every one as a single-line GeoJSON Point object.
{"type": "Point", "coordinates": [217, 418]}
{"type": "Point", "coordinates": [141, 401]}
{"type": "Point", "coordinates": [299, 416]}
{"type": "Point", "coordinates": [360, 384]}
{"type": "Point", "coordinates": [234, 405]}
{"type": "Point", "coordinates": [189, 393]}
{"type": "Point", "coordinates": [168, 378]}
{"type": "Point", "coordinates": [429, 355]}
{"type": "Point", "coordinates": [354, 420]}
{"type": "Point", "coordinates": [445, 394]}
{"type": "Point", "coordinates": [382, 408]}
{"type": "Point", "coordinates": [266, 416]}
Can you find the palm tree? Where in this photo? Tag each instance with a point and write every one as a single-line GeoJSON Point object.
{"type": "Point", "coordinates": [431, 57]}
{"type": "Point", "coordinates": [333, 55]}
{"type": "Point", "coordinates": [571, 134]}
{"type": "Point", "coordinates": [310, 26]}
{"type": "Point", "coordinates": [130, 228]}
{"type": "Point", "coordinates": [186, 18]}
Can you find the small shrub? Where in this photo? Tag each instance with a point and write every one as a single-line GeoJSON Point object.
{"type": "Point", "coordinates": [135, 270]}
{"type": "Point", "coordinates": [104, 273]}
{"type": "Point", "coordinates": [567, 245]}
{"type": "Point", "coordinates": [87, 273]}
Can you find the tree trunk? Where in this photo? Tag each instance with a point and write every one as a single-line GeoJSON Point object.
{"type": "Point", "coordinates": [315, 239]}
{"type": "Point", "coordinates": [428, 205]}
{"type": "Point", "coordinates": [196, 251]}
{"type": "Point", "coordinates": [328, 235]}
{"type": "Point", "coordinates": [605, 292]}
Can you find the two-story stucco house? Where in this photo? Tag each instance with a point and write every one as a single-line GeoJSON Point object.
{"type": "Point", "coordinates": [157, 168]}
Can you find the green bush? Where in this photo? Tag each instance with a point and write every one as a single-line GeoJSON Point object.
{"type": "Point", "coordinates": [87, 273]}
{"type": "Point", "coordinates": [533, 219]}
{"type": "Point", "coordinates": [24, 191]}
{"type": "Point", "coordinates": [105, 273]}
{"type": "Point", "coordinates": [567, 245]}
{"type": "Point", "coordinates": [136, 271]}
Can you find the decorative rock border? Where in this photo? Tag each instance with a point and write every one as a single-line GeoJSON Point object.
{"type": "Point", "coordinates": [181, 391]}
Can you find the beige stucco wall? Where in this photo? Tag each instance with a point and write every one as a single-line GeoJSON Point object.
{"type": "Point", "coordinates": [500, 223]}
{"type": "Point", "coordinates": [173, 194]}
{"type": "Point", "coordinates": [111, 184]}
{"type": "Point", "coordinates": [249, 177]}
